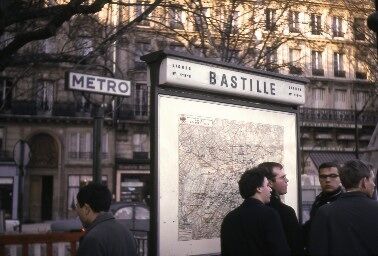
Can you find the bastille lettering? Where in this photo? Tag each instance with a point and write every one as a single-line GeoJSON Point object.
{"type": "Point", "coordinates": [240, 82]}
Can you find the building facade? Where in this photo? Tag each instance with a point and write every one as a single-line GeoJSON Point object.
{"type": "Point", "coordinates": [317, 40]}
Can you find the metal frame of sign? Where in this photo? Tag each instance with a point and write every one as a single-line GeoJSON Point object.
{"type": "Point", "coordinates": [174, 105]}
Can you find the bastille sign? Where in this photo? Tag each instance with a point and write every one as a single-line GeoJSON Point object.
{"type": "Point", "coordinates": [186, 73]}
{"type": "Point", "coordinates": [97, 84]}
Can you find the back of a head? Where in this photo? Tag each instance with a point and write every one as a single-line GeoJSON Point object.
{"type": "Point", "coordinates": [351, 172]}
{"type": "Point", "coordinates": [267, 168]}
{"type": "Point", "coordinates": [97, 196]}
{"type": "Point", "coordinates": [250, 180]}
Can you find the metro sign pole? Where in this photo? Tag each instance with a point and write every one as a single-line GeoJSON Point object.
{"type": "Point", "coordinates": [101, 85]}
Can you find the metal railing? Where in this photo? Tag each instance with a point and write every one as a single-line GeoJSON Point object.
{"type": "Point", "coordinates": [55, 243]}
{"type": "Point", "coordinates": [32, 244]}
{"type": "Point", "coordinates": [72, 109]}
{"type": "Point", "coordinates": [337, 116]}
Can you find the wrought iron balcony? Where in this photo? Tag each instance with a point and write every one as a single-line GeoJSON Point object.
{"type": "Point", "coordinates": [64, 109]}
{"type": "Point", "coordinates": [339, 73]}
{"type": "Point", "coordinates": [133, 112]}
{"type": "Point", "coordinates": [295, 70]}
{"type": "Point", "coordinates": [318, 72]}
{"type": "Point", "coordinates": [319, 115]}
{"type": "Point", "coordinates": [361, 75]}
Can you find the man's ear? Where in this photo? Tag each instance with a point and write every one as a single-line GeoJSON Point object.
{"type": "Point", "coordinates": [270, 183]}
{"type": "Point", "coordinates": [258, 190]}
{"type": "Point", "coordinates": [87, 208]}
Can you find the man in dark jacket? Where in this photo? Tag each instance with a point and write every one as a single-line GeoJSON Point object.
{"type": "Point", "coordinates": [278, 182]}
{"type": "Point", "coordinates": [331, 190]}
{"type": "Point", "coordinates": [253, 228]}
{"type": "Point", "coordinates": [349, 225]}
{"type": "Point", "coordinates": [104, 236]}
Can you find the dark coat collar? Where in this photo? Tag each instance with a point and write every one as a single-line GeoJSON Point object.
{"type": "Point", "coordinates": [103, 216]}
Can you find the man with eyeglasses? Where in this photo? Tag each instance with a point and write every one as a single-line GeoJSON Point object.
{"type": "Point", "coordinates": [348, 226]}
{"type": "Point", "coordinates": [278, 181]}
{"type": "Point", "coordinates": [331, 190]}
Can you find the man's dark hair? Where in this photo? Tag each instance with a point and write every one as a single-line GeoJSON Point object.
{"type": "Point", "coordinates": [96, 195]}
{"type": "Point", "coordinates": [351, 172]}
{"type": "Point", "coordinates": [328, 165]}
{"type": "Point", "coordinates": [250, 180]}
{"type": "Point", "coordinates": [267, 168]}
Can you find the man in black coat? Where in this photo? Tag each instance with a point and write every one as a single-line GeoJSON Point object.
{"type": "Point", "coordinates": [349, 225]}
{"type": "Point", "coordinates": [278, 182]}
{"type": "Point", "coordinates": [104, 235]}
{"type": "Point", "coordinates": [253, 228]}
{"type": "Point", "coordinates": [331, 190]}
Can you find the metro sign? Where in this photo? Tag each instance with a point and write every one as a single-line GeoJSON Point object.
{"type": "Point", "coordinates": [97, 84]}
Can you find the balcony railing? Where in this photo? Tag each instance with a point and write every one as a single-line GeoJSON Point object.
{"type": "Point", "coordinates": [72, 109]}
{"type": "Point", "coordinates": [133, 112]}
{"type": "Point", "coordinates": [361, 75]}
{"type": "Point", "coordinates": [295, 70]}
{"type": "Point", "coordinates": [339, 73]}
{"type": "Point", "coordinates": [337, 116]}
{"type": "Point", "coordinates": [318, 72]}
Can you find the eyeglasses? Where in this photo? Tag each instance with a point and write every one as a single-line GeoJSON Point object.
{"type": "Point", "coordinates": [331, 176]}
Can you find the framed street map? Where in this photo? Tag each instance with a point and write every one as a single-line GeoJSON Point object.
{"type": "Point", "coordinates": [203, 148]}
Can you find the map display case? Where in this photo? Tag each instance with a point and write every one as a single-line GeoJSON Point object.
{"type": "Point", "coordinates": [211, 121]}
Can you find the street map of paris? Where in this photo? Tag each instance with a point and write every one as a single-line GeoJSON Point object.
{"type": "Point", "coordinates": [213, 153]}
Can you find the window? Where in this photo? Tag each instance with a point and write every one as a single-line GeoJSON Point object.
{"type": "Point", "coordinates": [140, 50]}
{"type": "Point", "coordinates": [361, 99]}
{"type": "Point", "coordinates": [340, 98]}
{"type": "Point", "coordinates": [318, 95]}
{"type": "Point", "coordinates": [360, 70]}
{"type": "Point", "coordinates": [140, 146]}
{"type": "Point", "coordinates": [235, 22]}
{"type": "Point", "coordinates": [75, 182]}
{"type": "Point", "coordinates": [294, 65]}
{"type": "Point", "coordinates": [176, 18]}
{"type": "Point", "coordinates": [44, 96]}
{"type": "Point", "coordinates": [338, 64]}
{"type": "Point", "coordinates": [140, 8]}
{"type": "Point", "coordinates": [337, 26]}
{"type": "Point", "coordinates": [293, 21]}
{"type": "Point", "coordinates": [80, 145]}
{"type": "Point", "coordinates": [294, 55]}
{"type": "Point", "coordinates": [84, 45]}
{"type": "Point", "coordinates": [271, 59]}
{"type": "Point", "coordinates": [5, 94]}
{"type": "Point", "coordinates": [83, 105]}
{"type": "Point", "coordinates": [200, 18]}
{"type": "Point", "coordinates": [317, 63]}
{"type": "Point", "coordinates": [359, 29]}
{"type": "Point", "coordinates": [316, 24]}
{"type": "Point", "coordinates": [270, 22]}
{"type": "Point", "coordinates": [141, 100]}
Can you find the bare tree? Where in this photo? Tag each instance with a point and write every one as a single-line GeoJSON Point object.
{"type": "Point", "coordinates": [236, 31]}
{"type": "Point", "coordinates": [25, 22]}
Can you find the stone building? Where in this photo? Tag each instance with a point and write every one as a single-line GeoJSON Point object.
{"type": "Point", "coordinates": [317, 40]}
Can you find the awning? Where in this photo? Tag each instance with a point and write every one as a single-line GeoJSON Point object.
{"type": "Point", "coordinates": [322, 157]}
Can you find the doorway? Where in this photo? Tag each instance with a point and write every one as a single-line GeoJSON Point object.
{"type": "Point", "coordinates": [41, 198]}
